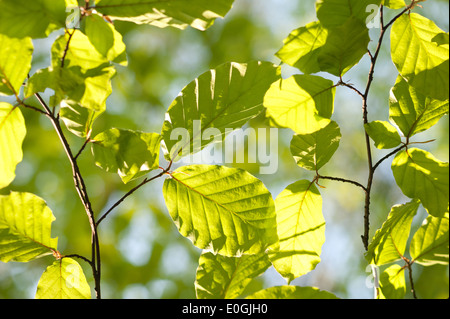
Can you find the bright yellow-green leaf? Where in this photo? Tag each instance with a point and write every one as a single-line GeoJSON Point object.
{"type": "Point", "coordinates": [389, 242]}
{"type": "Point", "coordinates": [420, 51]}
{"type": "Point", "coordinates": [429, 245]}
{"type": "Point", "coordinates": [303, 103]}
{"type": "Point", "coordinates": [420, 175]}
{"type": "Point", "coordinates": [15, 63]}
{"type": "Point", "coordinates": [64, 279]}
{"type": "Point", "coordinates": [383, 134]}
{"type": "Point", "coordinates": [12, 134]}
{"type": "Point", "coordinates": [220, 209]}
{"type": "Point", "coordinates": [25, 228]}
{"type": "Point", "coordinates": [412, 111]}
{"type": "Point", "coordinates": [199, 14]}
{"type": "Point", "coordinates": [292, 292]}
{"type": "Point", "coordinates": [131, 154]}
{"type": "Point", "coordinates": [301, 230]}
{"type": "Point", "coordinates": [392, 283]}
{"type": "Point", "coordinates": [302, 47]}
{"type": "Point", "coordinates": [216, 103]}
{"type": "Point", "coordinates": [394, 4]}
{"type": "Point", "coordinates": [221, 277]}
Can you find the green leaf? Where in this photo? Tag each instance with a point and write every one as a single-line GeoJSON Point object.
{"type": "Point", "coordinates": [199, 14]}
{"type": "Point", "coordinates": [221, 277]}
{"type": "Point", "coordinates": [12, 134]}
{"type": "Point", "coordinates": [429, 245]}
{"type": "Point", "coordinates": [302, 47]}
{"type": "Point", "coordinates": [420, 51]}
{"type": "Point", "coordinates": [412, 111]}
{"type": "Point", "coordinates": [301, 230]}
{"type": "Point", "coordinates": [383, 134]}
{"type": "Point", "coordinates": [389, 242]}
{"type": "Point", "coordinates": [292, 292]}
{"type": "Point", "coordinates": [392, 283]}
{"type": "Point", "coordinates": [216, 103]}
{"type": "Point", "coordinates": [78, 119]}
{"type": "Point", "coordinates": [346, 44]}
{"type": "Point", "coordinates": [64, 279]}
{"type": "Point", "coordinates": [394, 4]}
{"type": "Point", "coordinates": [25, 228]}
{"type": "Point", "coordinates": [420, 175]}
{"type": "Point", "coordinates": [105, 38]}
{"type": "Point", "coordinates": [334, 13]}
{"type": "Point", "coordinates": [312, 151]}
{"type": "Point", "coordinates": [36, 19]}
{"type": "Point", "coordinates": [303, 103]}
{"type": "Point", "coordinates": [15, 63]}
{"type": "Point", "coordinates": [131, 154]}
{"type": "Point", "coordinates": [220, 209]}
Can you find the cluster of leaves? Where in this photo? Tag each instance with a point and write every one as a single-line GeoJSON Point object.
{"type": "Point", "coordinates": [227, 212]}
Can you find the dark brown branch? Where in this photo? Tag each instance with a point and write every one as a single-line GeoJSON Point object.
{"type": "Point", "coordinates": [342, 180]}
{"type": "Point", "coordinates": [82, 192]}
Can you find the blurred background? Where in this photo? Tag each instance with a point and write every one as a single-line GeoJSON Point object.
{"type": "Point", "coordinates": [143, 255]}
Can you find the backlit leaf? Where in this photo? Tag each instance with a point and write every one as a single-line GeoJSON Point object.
{"type": "Point", "coordinates": [301, 230]}
{"type": "Point", "coordinates": [36, 19]}
{"type": "Point", "coordinates": [25, 228]}
{"type": "Point", "coordinates": [15, 63]}
{"type": "Point", "coordinates": [214, 104]}
{"type": "Point", "coordinates": [392, 283]}
{"type": "Point", "coordinates": [420, 175]}
{"type": "Point", "coordinates": [12, 134]}
{"type": "Point", "coordinates": [389, 242]}
{"type": "Point", "coordinates": [221, 277]}
{"type": "Point", "coordinates": [383, 134]}
{"type": "Point", "coordinates": [312, 151]}
{"type": "Point", "coordinates": [303, 103]}
{"type": "Point", "coordinates": [64, 279]}
{"type": "Point", "coordinates": [220, 209]}
{"type": "Point", "coordinates": [199, 14]}
{"type": "Point", "coordinates": [429, 245]}
{"type": "Point", "coordinates": [420, 51]}
{"type": "Point", "coordinates": [131, 154]}
{"type": "Point", "coordinates": [412, 111]}
{"type": "Point", "coordinates": [302, 47]}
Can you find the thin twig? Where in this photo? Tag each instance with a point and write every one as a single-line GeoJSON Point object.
{"type": "Point", "coordinates": [131, 191]}
{"type": "Point", "coordinates": [342, 180]}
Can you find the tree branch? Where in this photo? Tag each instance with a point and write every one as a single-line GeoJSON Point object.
{"type": "Point", "coordinates": [82, 192]}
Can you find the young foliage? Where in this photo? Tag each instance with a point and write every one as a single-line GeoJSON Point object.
{"type": "Point", "coordinates": [228, 212]}
{"type": "Point", "coordinates": [420, 175]}
{"type": "Point", "coordinates": [220, 209]}
{"type": "Point", "coordinates": [214, 104]}
{"type": "Point", "coordinates": [303, 103]}
{"type": "Point", "coordinates": [199, 14]}
{"type": "Point", "coordinates": [25, 228]}
{"type": "Point", "coordinates": [12, 134]}
{"type": "Point", "coordinates": [419, 50]}
{"type": "Point", "coordinates": [301, 230]}
{"type": "Point", "coordinates": [64, 279]}
{"type": "Point", "coordinates": [221, 277]}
